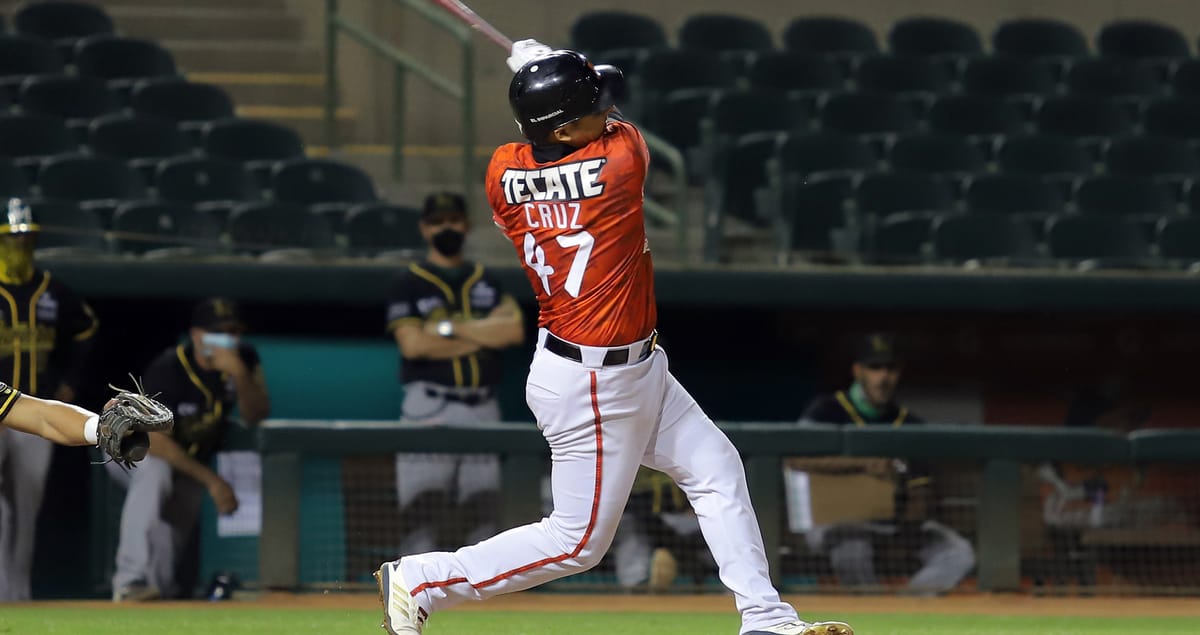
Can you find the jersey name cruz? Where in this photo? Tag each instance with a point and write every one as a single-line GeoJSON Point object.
{"type": "Point", "coordinates": [566, 182]}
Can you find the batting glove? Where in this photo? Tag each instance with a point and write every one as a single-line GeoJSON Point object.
{"type": "Point", "coordinates": [523, 51]}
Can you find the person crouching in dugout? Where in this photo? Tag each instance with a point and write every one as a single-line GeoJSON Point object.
{"type": "Point", "coordinates": [201, 381]}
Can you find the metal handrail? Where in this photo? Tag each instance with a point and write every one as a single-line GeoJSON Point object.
{"type": "Point", "coordinates": [402, 63]}
{"type": "Point", "coordinates": [660, 148]}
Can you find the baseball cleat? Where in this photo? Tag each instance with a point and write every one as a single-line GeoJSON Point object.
{"type": "Point", "coordinates": [401, 613]}
{"type": "Point", "coordinates": [805, 628]}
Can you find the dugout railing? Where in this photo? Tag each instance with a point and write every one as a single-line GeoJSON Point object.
{"type": "Point", "coordinates": [999, 457]}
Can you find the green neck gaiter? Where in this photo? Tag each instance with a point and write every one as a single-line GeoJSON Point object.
{"type": "Point", "coordinates": [858, 397]}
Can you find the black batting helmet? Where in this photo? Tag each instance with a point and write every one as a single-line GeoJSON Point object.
{"type": "Point", "coordinates": [558, 88]}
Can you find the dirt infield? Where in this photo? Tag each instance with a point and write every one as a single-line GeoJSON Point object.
{"type": "Point", "coordinates": [973, 604]}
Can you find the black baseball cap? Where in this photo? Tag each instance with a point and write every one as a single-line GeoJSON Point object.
{"type": "Point", "coordinates": [215, 314]}
{"type": "Point", "coordinates": [440, 202]}
{"type": "Point", "coordinates": [876, 348]}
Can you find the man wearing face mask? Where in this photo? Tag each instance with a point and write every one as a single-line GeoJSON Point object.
{"type": "Point", "coordinates": [201, 380]}
{"type": "Point", "coordinates": [450, 318]}
{"type": "Point", "coordinates": [946, 557]}
{"type": "Point", "coordinates": [46, 333]}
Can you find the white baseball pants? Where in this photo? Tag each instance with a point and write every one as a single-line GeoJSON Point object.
{"type": "Point", "coordinates": [601, 423]}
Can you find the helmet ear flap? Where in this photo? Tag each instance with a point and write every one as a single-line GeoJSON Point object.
{"type": "Point", "coordinates": [613, 87]}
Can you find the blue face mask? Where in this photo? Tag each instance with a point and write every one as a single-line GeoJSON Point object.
{"type": "Point", "coordinates": [219, 340]}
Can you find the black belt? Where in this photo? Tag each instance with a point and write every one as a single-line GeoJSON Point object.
{"type": "Point", "coordinates": [469, 399]}
{"type": "Point", "coordinates": [614, 357]}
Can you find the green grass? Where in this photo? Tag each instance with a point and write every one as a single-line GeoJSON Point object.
{"type": "Point", "coordinates": [209, 620]}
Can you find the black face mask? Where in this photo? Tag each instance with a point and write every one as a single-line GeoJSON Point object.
{"type": "Point", "coordinates": [448, 242]}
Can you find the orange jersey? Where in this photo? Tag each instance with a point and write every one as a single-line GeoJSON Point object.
{"type": "Point", "coordinates": [577, 225]}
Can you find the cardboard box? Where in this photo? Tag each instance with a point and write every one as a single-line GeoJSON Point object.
{"type": "Point", "coordinates": [816, 498]}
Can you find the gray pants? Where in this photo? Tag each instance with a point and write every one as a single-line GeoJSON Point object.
{"type": "Point", "coordinates": [24, 464]}
{"type": "Point", "coordinates": [946, 557]}
{"type": "Point", "coordinates": [161, 511]}
{"type": "Point", "coordinates": [459, 476]}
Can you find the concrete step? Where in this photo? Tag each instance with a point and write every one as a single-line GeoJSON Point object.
{"type": "Point", "coordinates": [207, 24]}
{"type": "Point", "coordinates": [254, 89]}
{"type": "Point", "coordinates": [309, 121]}
{"type": "Point", "coordinates": [195, 56]}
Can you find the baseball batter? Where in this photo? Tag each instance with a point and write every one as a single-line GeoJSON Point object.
{"type": "Point", "coordinates": [571, 202]}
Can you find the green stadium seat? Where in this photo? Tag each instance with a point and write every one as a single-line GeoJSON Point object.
{"type": "Point", "coordinates": [140, 139]}
{"type": "Point", "coordinates": [1087, 119]}
{"type": "Point", "coordinates": [891, 192]}
{"type": "Point", "coordinates": [599, 31]}
{"type": "Point", "coordinates": [1014, 194]}
{"type": "Point", "coordinates": [1126, 195]}
{"type": "Point", "coordinates": [327, 187]}
{"type": "Point", "coordinates": [1039, 37]}
{"type": "Point", "coordinates": [1141, 39]}
{"type": "Point", "coordinates": [830, 36]}
{"type": "Point", "coordinates": [869, 115]}
{"type": "Point", "coordinates": [1160, 157]}
{"type": "Point", "coordinates": [22, 56]}
{"type": "Point", "coordinates": [1179, 239]}
{"type": "Point", "coordinates": [901, 75]}
{"type": "Point", "coordinates": [1109, 77]}
{"type": "Point", "coordinates": [210, 185]}
{"type": "Point", "coordinates": [975, 116]}
{"type": "Point", "coordinates": [378, 228]}
{"type": "Point", "coordinates": [258, 144]}
{"type": "Point", "coordinates": [983, 237]}
{"type": "Point", "coordinates": [185, 102]}
{"type": "Point", "coordinates": [900, 238]}
{"type": "Point", "coordinates": [68, 96]}
{"type": "Point", "coordinates": [931, 36]}
{"type": "Point", "coordinates": [826, 152]}
{"type": "Point", "coordinates": [1044, 155]}
{"type": "Point", "coordinates": [67, 229]}
{"type": "Point", "coordinates": [1011, 77]}
{"type": "Point", "coordinates": [936, 153]}
{"type": "Point", "coordinates": [158, 229]}
{"type": "Point", "coordinates": [96, 183]}
{"type": "Point", "coordinates": [1185, 81]}
{"type": "Point", "coordinates": [722, 32]}
{"type": "Point", "coordinates": [686, 107]}
{"type": "Point", "coordinates": [13, 182]}
{"type": "Point", "coordinates": [62, 22]}
{"type": "Point", "coordinates": [122, 60]}
{"type": "Point", "coordinates": [665, 71]}
{"type": "Point", "coordinates": [805, 74]}
{"type": "Point", "coordinates": [1177, 117]}
{"type": "Point", "coordinates": [811, 208]}
{"type": "Point", "coordinates": [280, 230]}
{"type": "Point", "coordinates": [738, 173]}
{"type": "Point", "coordinates": [1103, 240]}
{"type": "Point", "coordinates": [31, 137]}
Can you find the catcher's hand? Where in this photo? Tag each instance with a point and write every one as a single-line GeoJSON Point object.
{"type": "Point", "coordinates": [125, 424]}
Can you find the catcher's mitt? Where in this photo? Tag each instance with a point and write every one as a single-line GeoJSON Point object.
{"type": "Point", "coordinates": [125, 424]}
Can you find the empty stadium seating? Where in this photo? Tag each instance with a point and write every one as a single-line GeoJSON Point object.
{"type": "Point", "coordinates": [796, 129]}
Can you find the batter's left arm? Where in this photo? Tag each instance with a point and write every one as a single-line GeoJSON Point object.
{"type": "Point", "coordinates": [503, 327]}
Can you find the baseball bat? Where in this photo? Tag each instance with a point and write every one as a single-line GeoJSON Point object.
{"type": "Point", "coordinates": [472, 19]}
